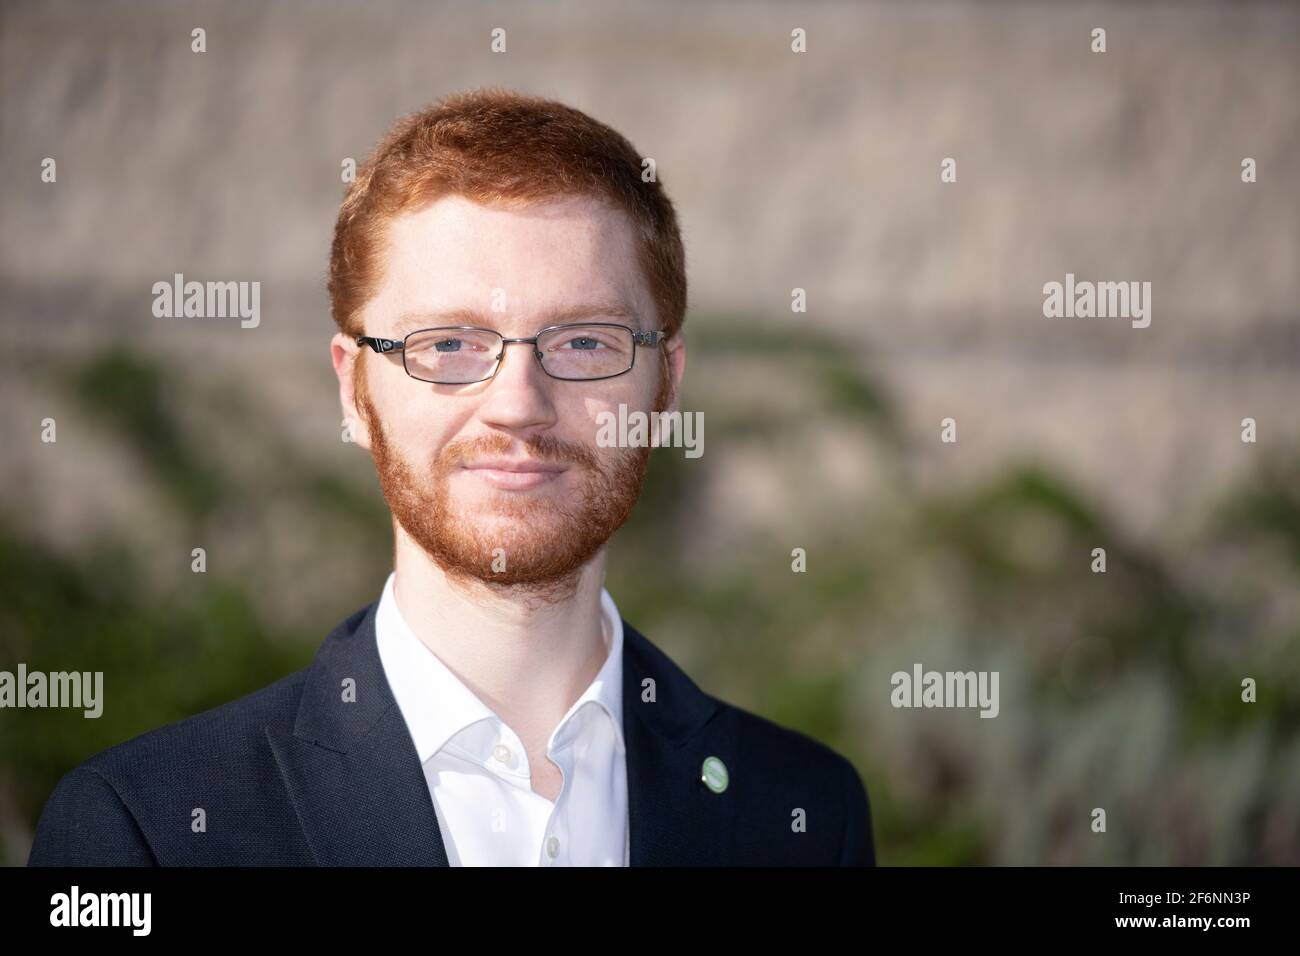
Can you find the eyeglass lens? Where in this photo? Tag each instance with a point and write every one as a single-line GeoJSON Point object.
{"type": "Point", "coordinates": [461, 356]}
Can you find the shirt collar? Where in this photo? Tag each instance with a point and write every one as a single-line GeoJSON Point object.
{"type": "Point", "coordinates": [437, 705]}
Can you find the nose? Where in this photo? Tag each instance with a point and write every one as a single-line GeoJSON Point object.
{"type": "Point", "coordinates": [518, 398]}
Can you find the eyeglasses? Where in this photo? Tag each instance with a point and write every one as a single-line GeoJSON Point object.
{"type": "Point", "coordinates": [464, 354]}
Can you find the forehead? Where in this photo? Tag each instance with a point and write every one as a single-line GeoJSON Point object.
{"type": "Point", "coordinates": [508, 265]}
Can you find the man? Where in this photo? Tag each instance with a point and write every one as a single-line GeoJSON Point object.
{"type": "Point", "coordinates": [501, 275]}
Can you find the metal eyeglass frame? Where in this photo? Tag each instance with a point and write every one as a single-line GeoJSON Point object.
{"type": "Point", "coordinates": [386, 346]}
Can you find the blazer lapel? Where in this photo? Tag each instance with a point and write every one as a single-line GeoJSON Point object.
{"type": "Point", "coordinates": [355, 779]}
{"type": "Point", "coordinates": [675, 819]}
{"type": "Point", "coordinates": [350, 766]}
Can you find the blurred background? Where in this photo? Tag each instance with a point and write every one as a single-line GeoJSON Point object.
{"type": "Point", "coordinates": [817, 171]}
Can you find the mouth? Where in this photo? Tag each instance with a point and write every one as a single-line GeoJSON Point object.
{"type": "Point", "coordinates": [515, 475]}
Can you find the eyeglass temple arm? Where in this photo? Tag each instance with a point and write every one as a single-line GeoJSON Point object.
{"type": "Point", "coordinates": [380, 345]}
{"type": "Point", "coordinates": [395, 345]}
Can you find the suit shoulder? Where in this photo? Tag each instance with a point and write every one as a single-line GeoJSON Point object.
{"type": "Point", "coordinates": [760, 739]}
{"type": "Point", "coordinates": [776, 742]}
{"type": "Point", "coordinates": [797, 770]}
{"type": "Point", "coordinates": [221, 733]}
{"type": "Point", "coordinates": [222, 746]}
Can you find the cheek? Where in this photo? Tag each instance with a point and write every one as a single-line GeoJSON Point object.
{"type": "Point", "coordinates": [635, 391]}
{"type": "Point", "coordinates": [582, 419]}
{"type": "Point", "coordinates": [417, 432]}
{"type": "Point", "coordinates": [424, 436]}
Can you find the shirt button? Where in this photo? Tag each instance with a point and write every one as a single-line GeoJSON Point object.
{"type": "Point", "coordinates": [502, 753]}
{"type": "Point", "coordinates": [553, 847]}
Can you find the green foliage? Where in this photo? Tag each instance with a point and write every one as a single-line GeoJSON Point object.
{"type": "Point", "coordinates": [992, 574]}
{"type": "Point", "coordinates": [163, 657]}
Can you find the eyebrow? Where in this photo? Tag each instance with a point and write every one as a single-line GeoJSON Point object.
{"type": "Point", "coordinates": [409, 321]}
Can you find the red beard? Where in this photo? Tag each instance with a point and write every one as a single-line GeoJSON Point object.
{"type": "Point", "coordinates": [543, 546]}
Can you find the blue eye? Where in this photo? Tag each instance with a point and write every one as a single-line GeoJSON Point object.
{"type": "Point", "coordinates": [448, 345]}
{"type": "Point", "coordinates": [584, 342]}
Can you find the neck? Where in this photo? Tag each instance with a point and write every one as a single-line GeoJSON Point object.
{"type": "Point", "coordinates": [527, 655]}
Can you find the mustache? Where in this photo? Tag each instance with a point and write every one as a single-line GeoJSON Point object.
{"type": "Point", "coordinates": [543, 448]}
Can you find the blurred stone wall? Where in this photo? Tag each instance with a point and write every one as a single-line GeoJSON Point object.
{"type": "Point", "coordinates": [818, 171]}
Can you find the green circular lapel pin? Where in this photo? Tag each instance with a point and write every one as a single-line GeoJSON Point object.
{"type": "Point", "coordinates": [714, 774]}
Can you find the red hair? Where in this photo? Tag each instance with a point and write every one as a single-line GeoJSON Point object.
{"type": "Point", "coordinates": [499, 147]}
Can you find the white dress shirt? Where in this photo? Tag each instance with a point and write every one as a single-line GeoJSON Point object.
{"type": "Point", "coordinates": [477, 769]}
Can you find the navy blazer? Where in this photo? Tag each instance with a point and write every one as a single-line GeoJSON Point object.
{"type": "Point", "coordinates": [293, 775]}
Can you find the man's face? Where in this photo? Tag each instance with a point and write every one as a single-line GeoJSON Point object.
{"type": "Point", "coordinates": [516, 271]}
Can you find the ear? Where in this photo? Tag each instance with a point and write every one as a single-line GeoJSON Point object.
{"type": "Point", "coordinates": [345, 354]}
{"type": "Point", "coordinates": [675, 355]}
